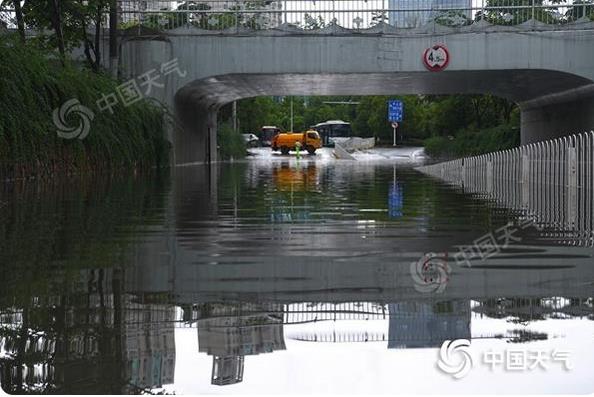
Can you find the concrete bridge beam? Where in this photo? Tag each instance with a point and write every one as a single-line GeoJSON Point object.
{"type": "Point", "coordinates": [548, 73]}
{"type": "Point", "coordinates": [195, 139]}
{"type": "Point", "coordinates": [556, 115]}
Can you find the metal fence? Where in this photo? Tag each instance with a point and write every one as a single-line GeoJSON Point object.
{"type": "Point", "coordinates": [550, 182]}
{"type": "Point", "coordinates": [217, 15]}
{"type": "Point", "coordinates": [350, 14]}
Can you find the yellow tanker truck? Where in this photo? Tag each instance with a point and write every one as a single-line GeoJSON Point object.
{"type": "Point", "coordinates": [285, 142]}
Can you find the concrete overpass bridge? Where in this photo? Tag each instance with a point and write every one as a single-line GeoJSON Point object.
{"type": "Point", "coordinates": [547, 68]}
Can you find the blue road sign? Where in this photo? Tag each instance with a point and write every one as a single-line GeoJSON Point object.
{"type": "Point", "coordinates": [395, 110]}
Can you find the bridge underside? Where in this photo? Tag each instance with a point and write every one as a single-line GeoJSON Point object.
{"type": "Point", "coordinates": [551, 102]}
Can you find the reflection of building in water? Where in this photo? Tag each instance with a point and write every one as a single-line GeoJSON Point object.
{"type": "Point", "coordinates": [529, 309]}
{"type": "Point", "coordinates": [427, 324]}
{"type": "Point", "coordinates": [149, 345]}
{"type": "Point", "coordinates": [231, 332]}
{"type": "Point", "coordinates": [101, 342]}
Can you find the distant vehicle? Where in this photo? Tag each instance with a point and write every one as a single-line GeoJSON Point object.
{"type": "Point", "coordinates": [267, 133]}
{"type": "Point", "coordinates": [251, 140]}
{"type": "Point", "coordinates": [333, 129]}
{"type": "Point", "coordinates": [310, 140]}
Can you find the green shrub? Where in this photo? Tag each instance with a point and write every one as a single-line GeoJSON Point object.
{"type": "Point", "coordinates": [467, 143]}
{"type": "Point", "coordinates": [231, 144]}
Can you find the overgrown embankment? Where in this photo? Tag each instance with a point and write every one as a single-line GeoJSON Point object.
{"type": "Point", "coordinates": [33, 84]}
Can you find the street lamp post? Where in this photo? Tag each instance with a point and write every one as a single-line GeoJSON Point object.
{"type": "Point", "coordinates": [291, 114]}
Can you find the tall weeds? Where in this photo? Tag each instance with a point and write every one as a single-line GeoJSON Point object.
{"type": "Point", "coordinates": [33, 83]}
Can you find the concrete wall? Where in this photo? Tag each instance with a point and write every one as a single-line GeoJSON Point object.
{"type": "Point", "coordinates": [523, 66]}
{"type": "Point", "coordinates": [563, 114]}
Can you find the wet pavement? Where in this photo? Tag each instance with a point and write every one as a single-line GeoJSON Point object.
{"type": "Point", "coordinates": [282, 275]}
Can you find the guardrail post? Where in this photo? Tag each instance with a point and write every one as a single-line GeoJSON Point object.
{"type": "Point", "coordinates": [525, 179]}
{"type": "Point", "coordinates": [489, 176]}
{"type": "Point", "coordinates": [572, 183]}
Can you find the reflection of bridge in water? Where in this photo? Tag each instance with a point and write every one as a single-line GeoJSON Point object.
{"type": "Point", "coordinates": [173, 261]}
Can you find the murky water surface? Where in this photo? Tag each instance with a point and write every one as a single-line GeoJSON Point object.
{"type": "Point", "coordinates": [277, 275]}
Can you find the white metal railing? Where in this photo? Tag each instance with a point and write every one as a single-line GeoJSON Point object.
{"type": "Point", "coordinates": [340, 336]}
{"type": "Point", "coordinates": [351, 14]}
{"type": "Point", "coordinates": [549, 182]}
{"type": "Point", "coordinates": [216, 15]}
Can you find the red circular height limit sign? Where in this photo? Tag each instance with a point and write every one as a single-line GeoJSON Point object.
{"type": "Point", "coordinates": [436, 58]}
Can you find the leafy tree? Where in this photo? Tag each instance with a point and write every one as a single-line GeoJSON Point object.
{"type": "Point", "coordinates": [507, 13]}
{"type": "Point", "coordinates": [457, 123]}
{"type": "Point", "coordinates": [311, 23]}
{"type": "Point", "coordinates": [378, 17]}
{"type": "Point", "coordinates": [580, 9]}
{"type": "Point", "coordinates": [69, 20]}
{"type": "Point", "coordinates": [199, 19]}
{"type": "Point", "coordinates": [18, 11]}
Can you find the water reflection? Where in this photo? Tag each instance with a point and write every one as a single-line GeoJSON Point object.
{"type": "Point", "coordinates": [227, 334]}
{"type": "Point", "coordinates": [115, 343]}
{"type": "Point", "coordinates": [260, 261]}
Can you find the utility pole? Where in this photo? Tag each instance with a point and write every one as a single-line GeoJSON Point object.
{"type": "Point", "coordinates": [234, 115]}
{"type": "Point", "coordinates": [291, 114]}
{"type": "Point", "coordinates": [113, 37]}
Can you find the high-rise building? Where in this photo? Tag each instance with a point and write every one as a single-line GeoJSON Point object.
{"type": "Point", "coordinates": [132, 10]}
{"type": "Point", "coordinates": [415, 13]}
{"type": "Point", "coordinates": [205, 15]}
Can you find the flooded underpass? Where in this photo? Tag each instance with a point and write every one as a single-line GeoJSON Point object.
{"type": "Point", "coordinates": [282, 275]}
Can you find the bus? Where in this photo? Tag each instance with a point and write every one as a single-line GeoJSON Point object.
{"type": "Point", "coordinates": [267, 133]}
{"type": "Point", "coordinates": [333, 129]}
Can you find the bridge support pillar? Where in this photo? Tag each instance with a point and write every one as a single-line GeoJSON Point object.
{"type": "Point", "coordinates": [196, 138]}
{"type": "Point", "coordinates": [558, 115]}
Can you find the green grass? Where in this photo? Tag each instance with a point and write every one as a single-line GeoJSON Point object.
{"type": "Point", "coordinates": [33, 84]}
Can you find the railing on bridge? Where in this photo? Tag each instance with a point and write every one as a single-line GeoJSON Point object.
{"type": "Point", "coordinates": [237, 16]}
{"type": "Point", "coordinates": [549, 182]}
{"type": "Point", "coordinates": [294, 313]}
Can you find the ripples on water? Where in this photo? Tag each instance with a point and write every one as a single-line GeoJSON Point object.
{"type": "Point", "coordinates": [282, 276]}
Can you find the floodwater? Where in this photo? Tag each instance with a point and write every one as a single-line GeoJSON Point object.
{"type": "Point", "coordinates": [284, 275]}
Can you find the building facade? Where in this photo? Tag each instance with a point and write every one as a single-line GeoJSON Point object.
{"type": "Point", "coordinates": [415, 13]}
